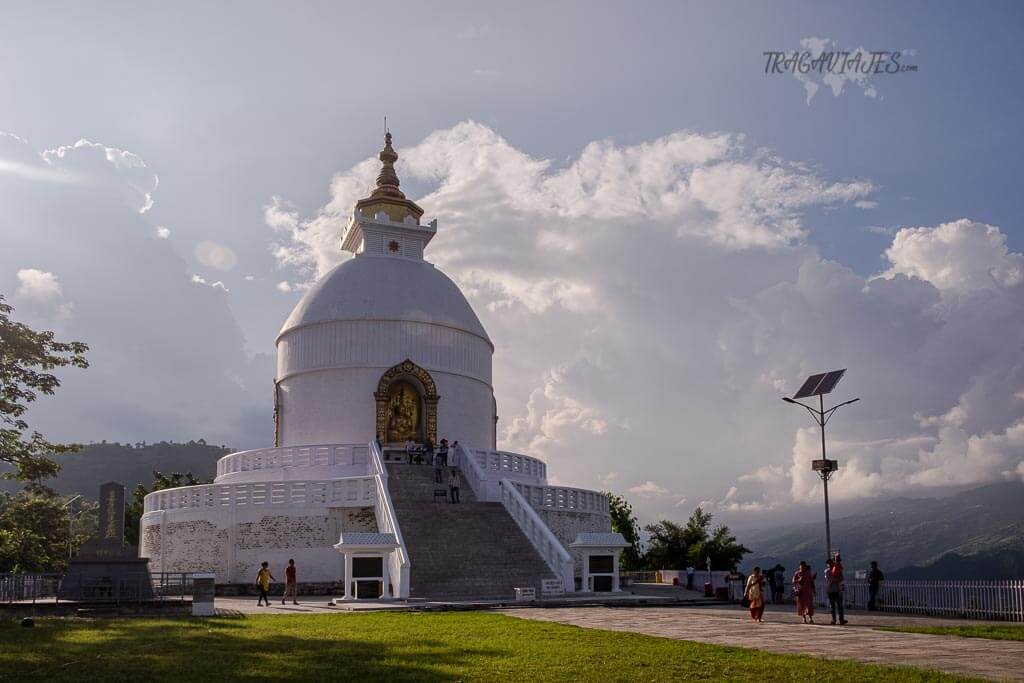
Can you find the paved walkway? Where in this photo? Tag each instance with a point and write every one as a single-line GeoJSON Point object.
{"type": "Point", "coordinates": [313, 604]}
{"type": "Point", "coordinates": [782, 632]}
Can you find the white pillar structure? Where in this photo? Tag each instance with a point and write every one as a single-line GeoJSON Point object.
{"type": "Point", "coordinates": [366, 545]}
{"type": "Point", "coordinates": [588, 545]}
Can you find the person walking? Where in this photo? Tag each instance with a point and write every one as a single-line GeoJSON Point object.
{"type": "Point", "coordinates": [290, 586]}
{"type": "Point", "coordinates": [875, 577]}
{"type": "Point", "coordinates": [437, 469]}
{"type": "Point", "coordinates": [410, 449]}
{"type": "Point", "coordinates": [754, 593]}
{"type": "Point", "coordinates": [690, 571]}
{"type": "Point", "coordinates": [453, 485]}
{"type": "Point", "coordinates": [803, 588]}
{"type": "Point", "coordinates": [428, 451]}
{"type": "Point", "coordinates": [780, 584]}
{"type": "Point", "coordinates": [834, 586]}
{"type": "Point", "coordinates": [263, 579]}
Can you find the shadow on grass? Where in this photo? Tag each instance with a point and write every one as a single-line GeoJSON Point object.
{"type": "Point", "coordinates": [221, 649]}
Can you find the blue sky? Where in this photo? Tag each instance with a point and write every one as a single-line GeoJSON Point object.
{"type": "Point", "coordinates": [234, 104]}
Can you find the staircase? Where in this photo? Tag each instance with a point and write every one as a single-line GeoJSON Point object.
{"type": "Point", "coordinates": [469, 550]}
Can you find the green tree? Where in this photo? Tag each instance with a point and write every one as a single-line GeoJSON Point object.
{"type": "Point", "coordinates": [34, 530]}
{"type": "Point", "coordinates": [26, 359]}
{"type": "Point", "coordinates": [719, 544]}
{"type": "Point", "coordinates": [666, 548]}
{"type": "Point", "coordinates": [625, 523]}
{"type": "Point", "coordinates": [133, 508]}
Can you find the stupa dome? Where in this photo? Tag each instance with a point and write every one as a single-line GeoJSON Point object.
{"type": "Point", "coordinates": [385, 288]}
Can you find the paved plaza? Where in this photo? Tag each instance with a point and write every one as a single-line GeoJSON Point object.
{"type": "Point", "coordinates": [782, 632]}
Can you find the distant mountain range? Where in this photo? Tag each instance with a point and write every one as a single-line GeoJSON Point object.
{"type": "Point", "coordinates": [129, 464]}
{"type": "Point", "coordinates": [975, 534]}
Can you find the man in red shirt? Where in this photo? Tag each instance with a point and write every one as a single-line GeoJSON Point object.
{"type": "Point", "coordinates": [290, 587]}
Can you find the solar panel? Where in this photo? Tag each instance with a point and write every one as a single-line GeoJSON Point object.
{"type": "Point", "coordinates": [820, 384]}
{"type": "Point", "coordinates": [830, 382]}
{"type": "Point", "coordinates": [808, 388]}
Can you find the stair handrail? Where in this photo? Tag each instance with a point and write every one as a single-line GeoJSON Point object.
{"type": "Point", "coordinates": [540, 536]}
{"type": "Point", "coordinates": [388, 523]}
{"type": "Point", "coordinates": [474, 474]}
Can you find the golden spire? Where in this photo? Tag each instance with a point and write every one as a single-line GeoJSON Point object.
{"type": "Point", "coordinates": [387, 179]}
{"type": "Point", "coordinates": [387, 196]}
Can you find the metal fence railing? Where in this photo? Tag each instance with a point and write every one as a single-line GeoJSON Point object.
{"type": "Point", "coordinates": [994, 600]}
{"type": "Point", "coordinates": [158, 586]}
{"type": "Point", "coordinates": [991, 600]}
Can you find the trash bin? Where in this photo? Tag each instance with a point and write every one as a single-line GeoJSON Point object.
{"type": "Point", "coordinates": [722, 593]}
{"type": "Point", "coordinates": [675, 580]}
{"type": "Point", "coordinates": [709, 591]}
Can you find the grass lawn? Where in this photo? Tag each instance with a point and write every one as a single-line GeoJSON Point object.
{"type": "Point", "coordinates": [397, 646]}
{"type": "Point", "coordinates": [993, 631]}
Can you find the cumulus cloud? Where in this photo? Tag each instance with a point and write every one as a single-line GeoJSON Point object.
{"type": "Point", "coordinates": [199, 280]}
{"type": "Point", "coordinates": [43, 293]}
{"type": "Point", "coordinates": [107, 169]}
{"type": "Point", "coordinates": [163, 232]}
{"type": "Point", "coordinates": [167, 359]}
{"type": "Point", "coordinates": [648, 489]}
{"type": "Point", "coordinates": [38, 285]}
{"type": "Point", "coordinates": [650, 304]}
{"type": "Point", "coordinates": [960, 256]}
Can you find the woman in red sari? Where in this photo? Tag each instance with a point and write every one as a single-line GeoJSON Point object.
{"type": "Point", "coordinates": [754, 592]}
{"type": "Point", "coordinates": [803, 588]}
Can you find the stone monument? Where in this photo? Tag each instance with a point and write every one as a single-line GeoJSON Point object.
{"type": "Point", "coordinates": [105, 569]}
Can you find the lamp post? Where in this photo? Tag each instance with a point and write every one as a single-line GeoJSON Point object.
{"type": "Point", "coordinates": [819, 385]}
{"type": "Point", "coordinates": [71, 520]}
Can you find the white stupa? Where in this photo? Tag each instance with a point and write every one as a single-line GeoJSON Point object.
{"type": "Point", "coordinates": [385, 348]}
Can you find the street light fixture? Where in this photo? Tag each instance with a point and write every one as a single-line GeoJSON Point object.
{"type": "Point", "coordinates": [819, 385]}
{"type": "Point", "coordinates": [71, 520]}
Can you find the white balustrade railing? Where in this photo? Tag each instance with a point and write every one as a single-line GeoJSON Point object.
{"type": "Point", "coordinates": [473, 473]}
{"type": "Point", "coordinates": [387, 523]}
{"type": "Point", "coordinates": [294, 456]}
{"type": "Point", "coordinates": [998, 600]}
{"type": "Point", "coordinates": [507, 465]}
{"type": "Point", "coordinates": [345, 492]}
{"type": "Point", "coordinates": [564, 499]}
{"type": "Point", "coordinates": [540, 536]}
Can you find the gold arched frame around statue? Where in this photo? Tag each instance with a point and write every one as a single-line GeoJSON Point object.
{"type": "Point", "coordinates": [421, 380]}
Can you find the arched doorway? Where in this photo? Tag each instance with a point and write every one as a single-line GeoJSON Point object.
{"type": "Point", "coordinates": [406, 399]}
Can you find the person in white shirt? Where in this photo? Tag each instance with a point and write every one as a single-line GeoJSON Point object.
{"type": "Point", "coordinates": [410, 449]}
{"type": "Point", "coordinates": [453, 485]}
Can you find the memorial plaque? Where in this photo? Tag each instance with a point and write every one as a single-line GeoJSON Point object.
{"type": "Point", "coordinates": [111, 522]}
{"type": "Point", "coordinates": [104, 568]}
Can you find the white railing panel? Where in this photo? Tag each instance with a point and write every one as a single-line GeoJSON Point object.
{"type": "Point", "coordinates": [348, 491]}
{"type": "Point", "coordinates": [540, 536]}
{"type": "Point", "coordinates": [294, 456]}
{"type": "Point", "coordinates": [474, 473]}
{"type": "Point", "coordinates": [511, 465]}
{"type": "Point", "coordinates": [387, 522]}
{"type": "Point", "coordinates": [564, 498]}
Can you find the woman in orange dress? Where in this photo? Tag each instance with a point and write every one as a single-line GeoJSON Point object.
{"type": "Point", "coordinates": [803, 587]}
{"type": "Point", "coordinates": [754, 592]}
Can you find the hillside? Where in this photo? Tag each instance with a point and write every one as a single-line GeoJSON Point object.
{"type": "Point", "coordinates": [973, 534]}
{"type": "Point", "coordinates": [130, 464]}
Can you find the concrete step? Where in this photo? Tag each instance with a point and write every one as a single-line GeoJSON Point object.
{"type": "Point", "coordinates": [467, 550]}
